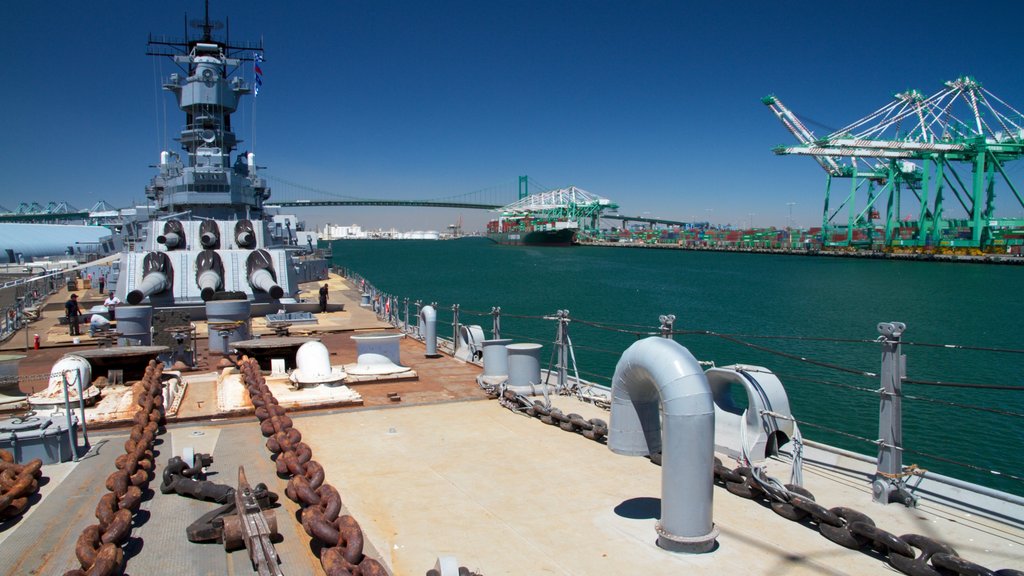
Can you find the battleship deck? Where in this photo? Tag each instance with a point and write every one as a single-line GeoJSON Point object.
{"type": "Point", "coordinates": [445, 471]}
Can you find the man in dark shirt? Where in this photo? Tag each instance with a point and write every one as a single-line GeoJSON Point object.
{"type": "Point", "coordinates": [71, 310]}
{"type": "Point", "coordinates": [323, 298]}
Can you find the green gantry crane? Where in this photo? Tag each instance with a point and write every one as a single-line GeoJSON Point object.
{"type": "Point", "coordinates": [953, 144]}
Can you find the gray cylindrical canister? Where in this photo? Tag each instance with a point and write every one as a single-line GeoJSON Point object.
{"type": "Point", "coordinates": [523, 365]}
{"type": "Point", "coordinates": [228, 322]}
{"type": "Point", "coordinates": [134, 323]}
{"type": "Point", "coordinates": [496, 357]}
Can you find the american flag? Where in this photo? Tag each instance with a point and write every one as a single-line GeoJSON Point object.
{"type": "Point", "coordinates": [257, 58]}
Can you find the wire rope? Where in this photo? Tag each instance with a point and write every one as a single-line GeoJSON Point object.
{"type": "Point", "coordinates": [965, 406]}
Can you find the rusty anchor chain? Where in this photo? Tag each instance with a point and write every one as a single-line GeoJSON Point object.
{"type": "Point", "coordinates": [338, 538]}
{"type": "Point", "coordinates": [594, 429]}
{"type": "Point", "coordinates": [911, 554]}
{"type": "Point", "coordinates": [18, 483]}
{"type": "Point", "coordinates": [99, 546]}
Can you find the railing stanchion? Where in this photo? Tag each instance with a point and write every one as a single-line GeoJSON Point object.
{"type": "Point", "coordinates": [888, 485]}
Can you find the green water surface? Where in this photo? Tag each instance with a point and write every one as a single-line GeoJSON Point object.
{"type": "Point", "coordinates": [754, 296]}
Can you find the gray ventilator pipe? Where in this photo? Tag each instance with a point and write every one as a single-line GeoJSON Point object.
{"type": "Point", "coordinates": [262, 280]}
{"type": "Point", "coordinates": [154, 282]}
{"type": "Point", "coordinates": [170, 239]}
{"type": "Point", "coordinates": [428, 329]}
{"type": "Point", "coordinates": [661, 401]}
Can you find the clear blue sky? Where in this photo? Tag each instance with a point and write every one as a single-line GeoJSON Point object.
{"type": "Point", "coordinates": [655, 105]}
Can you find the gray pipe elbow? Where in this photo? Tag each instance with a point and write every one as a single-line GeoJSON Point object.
{"type": "Point", "coordinates": [661, 401]}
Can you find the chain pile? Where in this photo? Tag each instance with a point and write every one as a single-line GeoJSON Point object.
{"type": "Point", "coordinates": [99, 546]}
{"type": "Point", "coordinates": [338, 537]}
{"type": "Point", "coordinates": [911, 554]}
{"type": "Point", "coordinates": [18, 482]}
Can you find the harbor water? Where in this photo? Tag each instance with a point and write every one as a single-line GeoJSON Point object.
{"type": "Point", "coordinates": [811, 320]}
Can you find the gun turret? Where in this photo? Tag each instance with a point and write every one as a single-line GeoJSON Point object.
{"type": "Point", "coordinates": [262, 275]}
{"type": "Point", "coordinates": [209, 234]}
{"type": "Point", "coordinates": [173, 236]}
{"type": "Point", "coordinates": [245, 236]}
{"type": "Point", "coordinates": [156, 277]}
{"type": "Point", "coordinates": [209, 274]}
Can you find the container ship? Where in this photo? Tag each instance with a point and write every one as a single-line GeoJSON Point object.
{"type": "Point", "coordinates": [550, 218]}
{"type": "Point", "coordinates": [523, 229]}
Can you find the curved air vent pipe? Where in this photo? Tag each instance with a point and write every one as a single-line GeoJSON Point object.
{"type": "Point", "coordinates": [261, 274]}
{"type": "Point", "coordinates": [209, 274]}
{"type": "Point", "coordinates": [156, 277]}
{"type": "Point", "coordinates": [173, 236]}
{"type": "Point", "coordinates": [658, 377]}
{"type": "Point", "coordinates": [427, 326]}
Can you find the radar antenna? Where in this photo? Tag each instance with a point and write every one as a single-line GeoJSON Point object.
{"type": "Point", "coordinates": [206, 26]}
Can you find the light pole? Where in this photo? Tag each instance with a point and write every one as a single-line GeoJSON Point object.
{"type": "Point", "coordinates": [751, 222]}
{"type": "Point", "coordinates": [790, 221]}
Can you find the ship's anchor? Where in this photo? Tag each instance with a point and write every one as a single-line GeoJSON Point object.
{"type": "Point", "coordinates": [245, 519]}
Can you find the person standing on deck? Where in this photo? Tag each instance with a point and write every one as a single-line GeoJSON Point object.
{"type": "Point", "coordinates": [71, 310]}
{"type": "Point", "coordinates": [323, 298]}
{"type": "Point", "coordinates": [111, 302]}
{"type": "Point", "coordinates": [103, 283]}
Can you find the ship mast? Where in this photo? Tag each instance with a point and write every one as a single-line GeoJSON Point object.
{"type": "Point", "coordinates": [208, 91]}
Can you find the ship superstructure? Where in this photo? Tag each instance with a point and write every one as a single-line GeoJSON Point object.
{"type": "Point", "coordinates": [208, 233]}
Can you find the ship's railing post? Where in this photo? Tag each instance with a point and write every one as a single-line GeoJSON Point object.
{"type": "Point", "coordinates": [419, 329]}
{"type": "Point", "coordinates": [563, 347]}
{"type": "Point", "coordinates": [496, 322]}
{"type": "Point", "coordinates": [455, 328]}
{"type": "Point", "coordinates": [405, 323]}
{"type": "Point", "coordinates": [888, 484]}
{"type": "Point", "coordinates": [667, 323]}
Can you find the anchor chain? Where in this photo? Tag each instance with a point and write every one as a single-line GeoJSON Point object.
{"type": "Point", "coordinates": [339, 536]}
{"type": "Point", "coordinates": [18, 483]}
{"type": "Point", "coordinates": [594, 429]}
{"type": "Point", "coordinates": [99, 546]}
{"type": "Point", "coordinates": [911, 554]}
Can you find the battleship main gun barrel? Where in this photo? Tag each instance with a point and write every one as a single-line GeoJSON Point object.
{"type": "Point", "coordinates": [245, 236]}
{"type": "Point", "coordinates": [170, 239]}
{"type": "Point", "coordinates": [156, 277]}
{"type": "Point", "coordinates": [209, 274]}
{"type": "Point", "coordinates": [173, 236]}
{"type": "Point", "coordinates": [208, 240]}
{"type": "Point", "coordinates": [261, 274]}
{"type": "Point", "coordinates": [209, 234]}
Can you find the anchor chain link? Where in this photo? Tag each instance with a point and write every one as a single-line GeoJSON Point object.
{"type": "Point", "coordinates": [594, 429]}
{"type": "Point", "coordinates": [340, 537]}
{"type": "Point", "coordinates": [98, 548]}
{"type": "Point", "coordinates": [18, 482]}
{"type": "Point", "coordinates": [911, 554]}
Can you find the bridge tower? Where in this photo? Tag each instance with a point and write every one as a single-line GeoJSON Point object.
{"type": "Point", "coordinates": [952, 145]}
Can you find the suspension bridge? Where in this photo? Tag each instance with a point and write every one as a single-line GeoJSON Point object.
{"type": "Point", "coordinates": [290, 194]}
